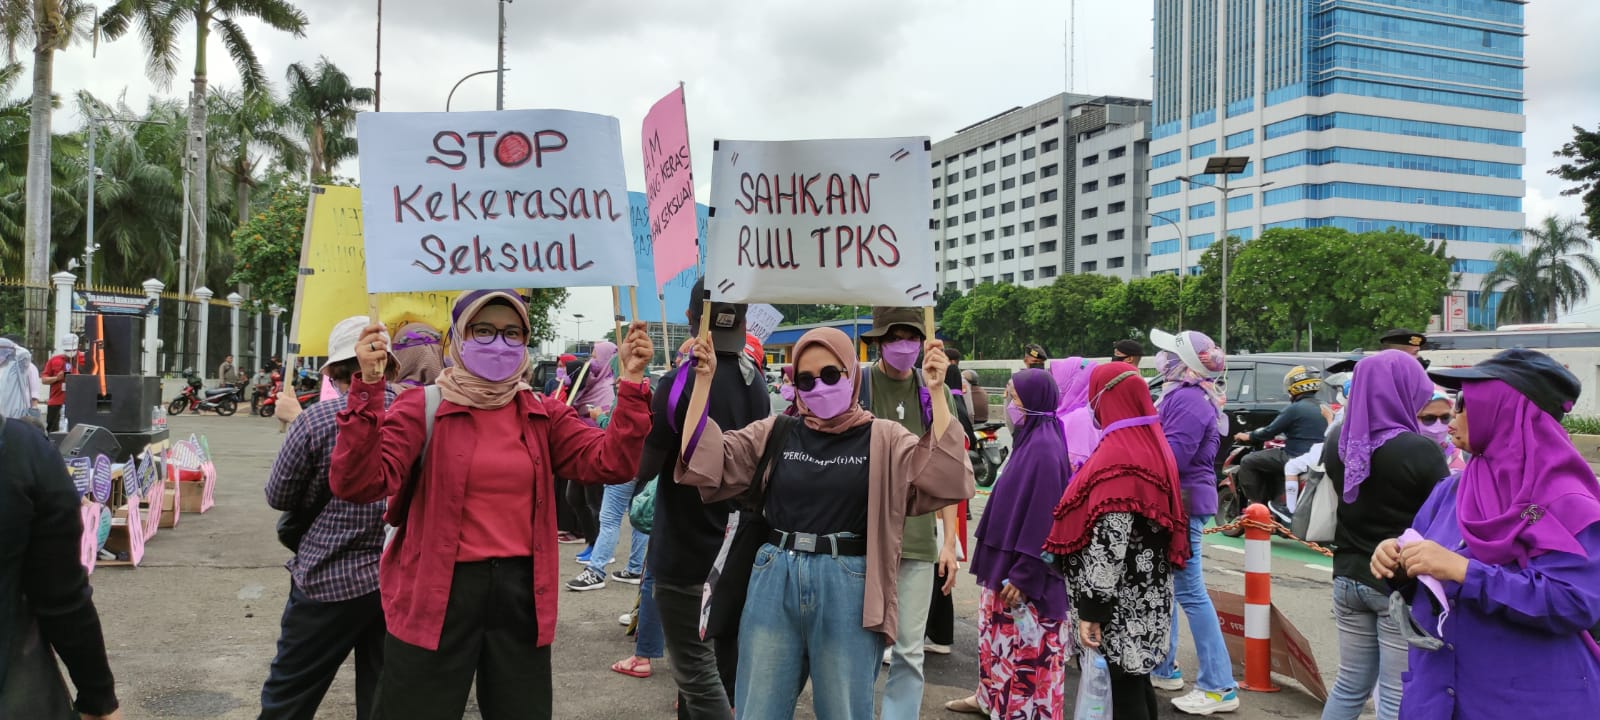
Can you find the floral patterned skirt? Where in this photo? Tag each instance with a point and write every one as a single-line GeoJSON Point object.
{"type": "Point", "coordinates": [1017, 681]}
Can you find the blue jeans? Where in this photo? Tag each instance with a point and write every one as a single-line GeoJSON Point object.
{"type": "Point", "coordinates": [1371, 653]}
{"type": "Point", "coordinates": [802, 619]}
{"type": "Point", "coordinates": [1189, 587]}
{"type": "Point", "coordinates": [612, 509]}
{"type": "Point", "coordinates": [647, 640]}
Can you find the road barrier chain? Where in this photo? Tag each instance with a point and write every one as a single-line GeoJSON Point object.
{"type": "Point", "coordinates": [1244, 523]}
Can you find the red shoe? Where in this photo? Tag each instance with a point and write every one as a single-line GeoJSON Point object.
{"type": "Point", "coordinates": [633, 667]}
{"type": "Point", "coordinates": [567, 538]}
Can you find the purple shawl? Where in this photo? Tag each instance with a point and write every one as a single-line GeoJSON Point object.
{"type": "Point", "coordinates": [1526, 491]}
{"type": "Point", "coordinates": [1020, 511]}
{"type": "Point", "coordinates": [1072, 378]}
{"type": "Point", "coordinates": [597, 389]}
{"type": "Point", "coordinates": [1389, 388]}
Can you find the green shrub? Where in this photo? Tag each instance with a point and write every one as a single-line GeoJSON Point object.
{"type": "Point", "coordinates": [1581, 425]}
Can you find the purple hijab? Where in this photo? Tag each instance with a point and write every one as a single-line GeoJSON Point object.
{"type": "Point", "coordinates": [1389, 388]}
{"type": "Point", "coordinates": [1526, 491]}
{"type": "Point", "coordinates": [597, 389]}
{"type": "Point", "coordinates": [1072, 378]}
{"type": "Point", "coordinates": [1021, 509]}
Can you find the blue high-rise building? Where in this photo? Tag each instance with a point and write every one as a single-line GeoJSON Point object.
{"type": "Point", "coordinates": [1362, 114]}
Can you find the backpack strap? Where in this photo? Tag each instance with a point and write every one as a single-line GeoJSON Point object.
{"type": "Point", "coordinates": [755, 499]}
{"type": "Point", "coordinates": [430, 402]}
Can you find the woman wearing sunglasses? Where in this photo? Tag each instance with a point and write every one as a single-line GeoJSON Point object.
{"type": "Point", "coordinates": [1384, 470]}
{"type": "Point", "coordinates": [1502, 565]}
{"type": "Point", "coordinates": [1434, 421]}
{"type": "Point", "coordinates": [1119, 531]}
{"type": "Point", "coordinates": [470, 582]}
{"type": "Point", "coordinates": [838, 491]}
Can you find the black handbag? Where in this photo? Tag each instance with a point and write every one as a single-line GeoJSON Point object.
{"type": "Point", "coordinates": [729, 582]}
{"type": "Point", "coordinates": [293, 524]}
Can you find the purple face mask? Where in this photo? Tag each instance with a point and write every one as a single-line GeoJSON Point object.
{"type": "Point", "coordinates": [828, 401]}
{"type": "Point", "coordinates": [1015, 414]}
{"type": "Point", "coordinates": [786, 392]}
{"type": "Point", "coordinates": [1439, 432]}
{"type": "Point", "coordinates": [495, 361]}
{"type": "Point", "coordinates": [901, 354]}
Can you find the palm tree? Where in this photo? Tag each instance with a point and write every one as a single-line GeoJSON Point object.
{"type": "Point", "coordinates": [248, 128]}
{"type": "Point", "coordinates": [1550, 276]}
{"type": "Point", "coordinates": [326, 102]}
{"type": "Point", "coordinates": [49, 25]}
{"type": "Point", "coordinates": [160, 22]}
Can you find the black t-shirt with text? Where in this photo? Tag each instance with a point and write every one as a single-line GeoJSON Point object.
{"type": "Point", "coordinates": [819, 482]}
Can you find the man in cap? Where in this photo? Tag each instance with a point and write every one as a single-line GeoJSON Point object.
{"type": "Point", "coordinates": [688, 533]}
{"type": "Point", "coordinates": [1128, 351]}
{"type": "Point", "coordinates": [333, 606]}
{"type": "Point", "coordinates": [1034, 356]}
{"type": "Point", "coordinates": [63, 363]}
{"type": "Point", "coordinates": [893, 390]}
{"type": "Point", "coordinates": [1405, 341]}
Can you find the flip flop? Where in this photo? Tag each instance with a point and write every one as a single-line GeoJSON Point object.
{"type": "Point", "coordinates": [630, 667]}
{"type": "Point", "coordinates": [966, 705]}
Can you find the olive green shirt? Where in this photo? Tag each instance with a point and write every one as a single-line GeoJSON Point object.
{"type": "Point", "coordinates": [898, 400]}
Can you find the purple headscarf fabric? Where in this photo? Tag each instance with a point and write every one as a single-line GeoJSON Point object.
{"type": "Point", "coordinates": [1389, 388]}
{"type": "Point", "coordinates": [1021, 509]}
{"type": "Point", "coordinates": [1072, 378]}
{"type": "Point", "coordinates": [597, 389]}
{"type": "Point", "coordinates": [1526, 491]}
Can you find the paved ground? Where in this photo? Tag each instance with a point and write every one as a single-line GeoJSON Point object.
{"type": "Point", "coordinates": [192, 631]}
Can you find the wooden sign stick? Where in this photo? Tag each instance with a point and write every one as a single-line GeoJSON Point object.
{"type": "Point", "coordinates": [702, 390]}
{"type": "Point", "coordinates": [941, 409]}
{"type": "Point", "coordinates": [616, 313]}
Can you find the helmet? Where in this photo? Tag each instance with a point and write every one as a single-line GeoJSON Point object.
{"type": "Point", "coordinates": [1302, 380]}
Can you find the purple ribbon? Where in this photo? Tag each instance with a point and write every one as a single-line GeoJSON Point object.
{"type": "Point", "coordinates": [1130, 422]}
{"type": "Point", "coordinates": [925, 399]}
{"type": "Point", "coordinates": [679, 384]}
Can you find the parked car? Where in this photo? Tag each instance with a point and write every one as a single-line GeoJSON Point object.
{"type": "Point", "coordinates": [1254, 389]}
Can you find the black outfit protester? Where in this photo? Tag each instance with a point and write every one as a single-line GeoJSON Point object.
{"type": "Point", "coordinates": [688, 534]}
{"type": "Point", "coordinates": [46, 603]}
{"type": "Point", "coordinates": [1404, 471]}
{"type": "Point", "coordinates": [1302, 425]}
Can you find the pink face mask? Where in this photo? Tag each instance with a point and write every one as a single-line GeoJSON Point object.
{"type": "Point", "coordinates": [786, 392]}
{"type": "Point", "coordinates": [828, 401]}
{"type": "Point", "coordinates": [901, 354]}
{"type": "Point", "coordinates": [495, 361]}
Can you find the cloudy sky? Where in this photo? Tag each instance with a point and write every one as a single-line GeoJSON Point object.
{"type": "Point", "coordinates": [772, 71]}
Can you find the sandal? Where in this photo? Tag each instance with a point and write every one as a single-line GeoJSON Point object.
{"type": "Point", "coordinates": [967, 706]}
{"type": "Point", "coordinates": [633, 667]}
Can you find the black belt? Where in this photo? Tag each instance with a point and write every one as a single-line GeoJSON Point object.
{"type": "Point", "coordinates": [812, 543]}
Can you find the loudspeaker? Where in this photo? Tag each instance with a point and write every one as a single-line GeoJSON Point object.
{"type": "Point", "coordinates": [127, 407]}
{"type": "Point", "coordinates": [89, 441]}
{"type": "Point", "coordinates": [134, 443]}
{"type": "Point", "coordinates": [123, 337]}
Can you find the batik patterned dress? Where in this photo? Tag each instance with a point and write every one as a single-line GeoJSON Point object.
{"type": "Point", "coordinates": [1018, 680]}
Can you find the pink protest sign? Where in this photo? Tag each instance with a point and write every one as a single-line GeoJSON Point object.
{"type": "Point", "coordinates": [669, 187]}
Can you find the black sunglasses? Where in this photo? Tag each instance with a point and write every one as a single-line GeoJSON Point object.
{"type": "Point", "coordinates": [1441, 417]}
{"type": "Point", "coordinates": [1461, 403]}
{"type": "Point", "coordinates": [829, 376]}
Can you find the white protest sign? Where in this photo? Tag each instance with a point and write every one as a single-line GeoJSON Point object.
{"type": "Point", "coordinates": [821, 221]}
{"type": "Point", "coordinates": [760, 320]}
{"type": "Point", "coordinates": [520, 198]}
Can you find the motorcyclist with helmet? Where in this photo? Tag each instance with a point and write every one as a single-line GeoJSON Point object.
{"type": "Point", "coordinates": [1302, 424]}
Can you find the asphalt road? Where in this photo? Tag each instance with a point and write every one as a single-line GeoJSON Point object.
{"type": "Point", "coordinates": [191, 632]}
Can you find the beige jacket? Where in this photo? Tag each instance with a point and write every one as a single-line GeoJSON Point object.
{"type": "Point", "coordinates": [909, 476]}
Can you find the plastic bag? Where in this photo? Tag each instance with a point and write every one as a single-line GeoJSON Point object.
{"type": "Point", "coordinates": [1094, 688]}
{"type": "Point", "coordinates": [1028, 631]}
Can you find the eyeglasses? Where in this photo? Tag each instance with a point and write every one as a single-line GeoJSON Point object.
{"type": "Point", "coordinates": [1441, 417]}
{"type": "Point", "coordinates": [1119, 358]}
{"type": "Point", "coordinates": [829, 376]}
{"type": "Point", "coordinates": [485, 333]}
{"type": "Point", "coordinates": [1461, 403]}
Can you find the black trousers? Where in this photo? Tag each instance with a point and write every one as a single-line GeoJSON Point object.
{"type": "Point", "coordinates": [1261, 474]}
{"type": "Point", "coordinates": [566, 520]}
{"type": "Point", "coordinates": [491, 633]}
{"type": "Point", "coordinates": [585, 499]}
{"type": "Point", "coordinates": [1132, 696]}
{"type": "Point", "coordinates": [941, 614]}
{"type": "Point", "coordinates": [697, 664]}
{"type": "Point", "coordinates": [315, 640]}
{"type": "Point", "coordinates": [52, 415]}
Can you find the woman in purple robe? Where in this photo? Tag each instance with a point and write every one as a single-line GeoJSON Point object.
{"type": "Point", "coordinates": [1502, 565]}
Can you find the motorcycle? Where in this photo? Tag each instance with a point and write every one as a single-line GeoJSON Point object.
{"type": "Point", "coordinates": [989, 454]}
{"type": "Point", "coordinates": [269, 404]}
{"type": "Point", "coordinates": [1231, 497]}
{"type": "Point", "coordinates": [195, 398]}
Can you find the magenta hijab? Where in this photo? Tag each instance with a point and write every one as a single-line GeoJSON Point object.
{"type": "Point", "coordinates": [1077, 421]}
{"type": "Point", "coordinates": [1526, 491]}
{"type": "Point", "coordinates": [1388, 390]}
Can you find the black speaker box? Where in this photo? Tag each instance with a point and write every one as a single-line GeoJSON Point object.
{"type": "Point", "coordinates": [89, 441]}
{"type": "Point", "coordinates": [127, 407]}
{"type": "Point", "coordinates": [134, 443]}
{"type": "Point", "coordinates": [123, 338]}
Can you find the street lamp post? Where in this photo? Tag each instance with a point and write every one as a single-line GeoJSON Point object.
{"type": "Point", "coordinates": [1183, 262]}
{"type": "Point", "coordinates": [580, 320]}
{"type": "Point", "coordinates": [89, 178]}
{"type": "Point", "coordinates": [468, 76]}
{"type": "Point", "coordinates": [1225, 166]}
{"type": "Point", "coordinates": [500, 63]}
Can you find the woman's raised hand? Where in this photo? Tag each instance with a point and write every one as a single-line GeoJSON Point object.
{"type": "Point", "coordinates": [934, 362]}
{"type": "Point", "coordinates": [705, 358]}
{"type": "Point", "coordinates": [637, 351]}
{"type": "Point", "coordinates": [372, 351]}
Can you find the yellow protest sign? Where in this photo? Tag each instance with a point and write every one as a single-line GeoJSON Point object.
{"type": "Point", "coordinates": [333, 277]}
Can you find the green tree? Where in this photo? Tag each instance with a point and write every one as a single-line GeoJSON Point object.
{"type": "Point", "coordinates": [251, 129]}
{"type": "Point", "coordinates": [1388, 279]}
{"type": "Point", "coordinates": [1549, 276]}
{"type": "Point", "coordinates": [1287, 278]}
{"type": "Point", "coordinates": [1582, 166]}
{"type": "Point", "coordinates": [1075, 315]}
{"type": "Point", "coordinates": [990, 318]}
{"type": "Point", "coordinates": [266, 247]}
{"type": "Point", "coordinates": [1522, 293]}
{"type": "Point", "coordinates": [325, 102]}
{"type": "Point", "coordinates": [160, 22]}
{"type": "Point", "coordinates": [1152, 302]}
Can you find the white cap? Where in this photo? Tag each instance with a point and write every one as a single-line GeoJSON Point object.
{"type": "Point", "coordinates": [342, 340]}
{"type": "Point", "coordinates": [69, 342]}
{"type": "Point", "coordinates": [1179, 344]}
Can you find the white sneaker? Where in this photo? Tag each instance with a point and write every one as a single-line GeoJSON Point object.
{"type": "Point", "coordinates": [936, 648]}
{"type": "Point", "coordinates": [1201, 702]}
{"type": "Point", "coordinates": [888, 655]}
{"type": "Point", "coordinates": [1170, 684]}
{"type": "Point", "coordinates": [625, 619]}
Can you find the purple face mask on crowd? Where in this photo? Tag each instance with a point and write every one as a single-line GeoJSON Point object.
{"type": "Point", "coordinates": [828, 401]}
{"type": "Point", "coordinates": [901, 354]}
{"type": "Point", "coordinates": [495, 361]}
{"type": "Point", "coordinates": [1015, 414]}
{"type": "Point", "coordinates": [1437, 431]}
{"type": "Point", "coordinates": [786, 392]}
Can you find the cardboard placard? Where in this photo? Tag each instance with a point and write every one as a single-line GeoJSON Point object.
{"type": "Point", "coordinates": [517, 198]}
{"type": "Point", "coordinates": [822, 221]}
{"type": "Point", "coordinates": [761, 319]}
{"type": "Point", "coordinates": [677, 287]}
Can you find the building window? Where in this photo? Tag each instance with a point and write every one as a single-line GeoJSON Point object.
{"type": "Point", "coordinates": [1171, 157]}
{"type": "Point", "coordinates": [988, 189]}
{"type": "Point", "coordinates": [970, 217]}
{"type": "Point", "coordinates": [1116, 152]}
{"type": "Point", "coordinates": [1048, 271]}
{"type": "Point", "coordinates": [1049, 145]}
{"type": "Point", "coordinates": [1007, 277]}
{"type": "Point", "coordinates": [1028, 131]}
{"type": "Point", "coordinates": [936, 181]}
{"type": "Point", "coordinates": [950, 286]}
{"type": "Point", "coordinates": [1203, 149]}
{"type": "Point", "coordinates": [951, 179]}
{"type": "Point", "coordinates": [989, 146]}
{"type": "Point", "coordinates": [970, 153]}
{"type": "Point", "coordinates": [970, 173]}
{"type": "Point", "coordinates": [1202, 210]}
{"type": "Point", "coordinates": [1116, 207]}
{"type": "Point", "coordinates": [1115, 262]}
{"type": "Point", "coordinates": [988, 212]}
{"type": "Point", "coordinates": [1027, 275]}
{"type": "Point", "coordinates": [1048, 171]}
{"type": "Point", "coordinates": [988, 235]}
{"type": "Point", "coordinates": [1048, 246]}
{"type": "Point", "coordinates": [1008, 160]}
{"type": "Point", "coordinates": [1008, 207]}
{"type": "Point", "coordinates": [1090, 266]}
{"type": "Point", "coordinates": [952, 199]}
{"type": "Point", "coordinates": [1049, 196]}
{"type": "Point", "coordinates": [1089, 160]}
{"type": "Point", "coordinates": [970, 195]}
{"type": "Point", "coordinates": [1048, 221]}
{"type": "Point", "coordinates": [988, 166]}
{"type": "Point", "coordinates": [1116, 180]}
{"type": "Point", "coordinates": [971, 261]}
{"type": "Point", "coordinates": [1114, 235]}
{"type": "Point", "coordinates": [1088, 214]}
{"type": "Point", "coordinates": [1027, 178]}
{"type": "Point", "coordinates": [936, 203]}
{"type": "Point", "coordinates": [1027, 226]}
{"type": "Point", "coordinates": [1089, 239]}
{"type": "Point", "coordinates": [1027, 251]}
{"type": "Point", "coordinates": [1091, 186]}
{"type": "Point", "coordinates": [1008, 254]}
{"type": "Point", "coordinates": [988, 258]}
{"type": "Point", "coordinates": [1027, 202]}
{"type": "Point", "coordinates": [972, 239]}
{"type": "Point", "coordinates": [1240, 139]}
{"type": "Point", "coordinates": [1028, 153]}
{"type": "Point", "coordinates": [936, 246]}
{"type": "Point", "coordinates": [952, 221]}
{"type": "Point", "coordinates": [969, 283]}
{"type": "Point", "coordinates": [951, 265]}
{"type": "Point", "coordinates": [1008, 183]}
{"type": "Point", "coordinates": [1008, 231]}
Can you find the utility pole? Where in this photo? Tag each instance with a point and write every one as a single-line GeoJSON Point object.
{"type": "Point", "coordinates": [88, 234]}
{"type": "Point", "coordinates": [500, 63]}
{"type": "Point", "coordinates": [377, 68]}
